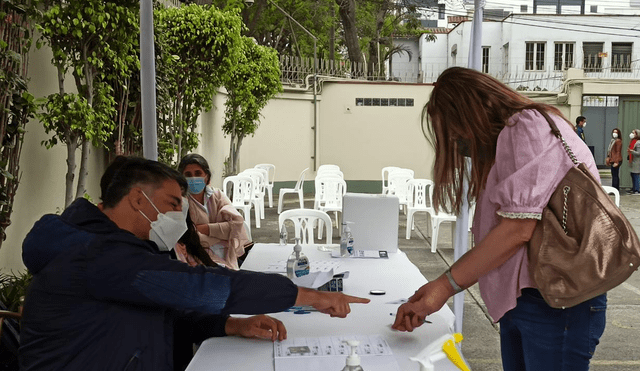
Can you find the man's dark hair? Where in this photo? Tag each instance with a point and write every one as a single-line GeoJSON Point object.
{"type": "Point", "coordinates": [126, 172]}
{"type": "Point", "coordinates": [580, 119]}
{"type": "Point", "coordinates": [194, 158]}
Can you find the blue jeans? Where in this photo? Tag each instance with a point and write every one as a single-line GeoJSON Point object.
{"type": "Point", "coordinates": [615, 177]}
{"type": "Point", "coordinates": [635, 179]}
{"type": "Point", "coordinates": [534, 336]}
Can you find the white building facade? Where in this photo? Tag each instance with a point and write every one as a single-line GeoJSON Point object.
{"type": "Point", "coordinates": [530, 52]}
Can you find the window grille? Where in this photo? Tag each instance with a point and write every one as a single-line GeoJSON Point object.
{"type": "Point", "coordinates": [592, 56]}
{"type": "Point", "coordinates": [534, 56]}
{"type": "Point", "coordinates": [621, 57]}
{"type": "Point", "coordinates": [563, 57]}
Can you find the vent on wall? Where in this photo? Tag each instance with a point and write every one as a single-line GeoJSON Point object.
{"type": "Point", "coordinates": [384, 102]}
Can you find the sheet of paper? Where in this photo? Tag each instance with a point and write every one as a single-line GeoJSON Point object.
{"type": "Point", "coordinates": [330, 353]}
{"type": "Point", "coordinates": [364, 254]}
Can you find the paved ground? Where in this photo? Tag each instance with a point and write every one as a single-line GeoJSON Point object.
{"type": "Point", "coordinates": [619, 349]}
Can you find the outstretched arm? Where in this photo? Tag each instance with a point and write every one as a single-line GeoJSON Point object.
{"type": "Point", "coordinates": [334, 304]}
{"type": "Point", "coordinates": [494, 250]}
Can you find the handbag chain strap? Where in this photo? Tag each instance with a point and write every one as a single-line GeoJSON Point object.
{"type": "Point", "coordinates": [556, 132]}
{"type": "Point", "coordinates": [572, 156]}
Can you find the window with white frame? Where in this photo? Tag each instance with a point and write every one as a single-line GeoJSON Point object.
{"type": "Point", "coordinates": [534, 56]}
{"type": "Point", "coordinates": [563, 56]}
{"type": "Point", "coordinates": [441, 11]}
{"type": "Point", "coordinates": [592, 56]}
{"type": "Point", "coordinates": [621, 57]}
{"type": "Point", "coordinates": [485, 59]}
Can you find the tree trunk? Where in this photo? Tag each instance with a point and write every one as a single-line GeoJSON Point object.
{"type": "Point", "coordinates": [347, 10]}
{"type": "Point", "coordinates": [72, 145]}
{"type": "Point", "coordinates": [83, 174]}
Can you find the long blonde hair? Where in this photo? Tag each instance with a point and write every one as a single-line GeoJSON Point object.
{"type": "Point", "coordinates": [466, 112]}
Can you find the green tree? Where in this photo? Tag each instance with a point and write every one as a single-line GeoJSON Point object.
{"type": "Point", "coordinates": [16, 102]}
{"type": "Point", "coordinates": [84, 37]}
{"type": "Point", "coordinates": [197, 46]}
{"type": "Point", "coordinates": [254, 81]}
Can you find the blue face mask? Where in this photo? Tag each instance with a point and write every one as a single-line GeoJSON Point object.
{"type": "Point", "coordinates": [196, 185]}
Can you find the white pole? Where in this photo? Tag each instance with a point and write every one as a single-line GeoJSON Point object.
{"type": "Point", "coordinates": [148, 82]}
{"type": "Point", "coordinates": [461, 240]}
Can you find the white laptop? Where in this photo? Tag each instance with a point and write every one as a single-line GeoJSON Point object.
{"type": "Point", "coordinates": [375, 221]}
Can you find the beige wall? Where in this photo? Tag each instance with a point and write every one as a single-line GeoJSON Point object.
{"type": "Point", "coordinates": [42, 186]}
{"type": "Point", "coordinates": [361, 140]}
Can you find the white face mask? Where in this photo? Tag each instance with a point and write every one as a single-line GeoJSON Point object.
{"type": "Point", "coordinates": [615, 135]}
{"type": "Point", "coordinates": [632, 136]}
{"type": "Point", "coordinates": [584, 125]}
{"type": "Point", "coordinates": [169, 227]}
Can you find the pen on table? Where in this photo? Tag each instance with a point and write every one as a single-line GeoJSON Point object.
{"type": "Point", "coordinates": [425, 321]}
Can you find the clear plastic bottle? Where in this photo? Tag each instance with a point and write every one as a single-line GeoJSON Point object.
{"type": "Point", "coordinates": [344, 241]}
{"type": "Point", "coordinates": [353, 360]}
{"type": "Point", "coordinates": [298, 263]}
{"type": "Point", "coordinates": [349, 239]}
{"type": "Point", "coordinates": [283, 235]}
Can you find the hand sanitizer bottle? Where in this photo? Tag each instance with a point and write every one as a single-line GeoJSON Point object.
{"type": "Point", "coordinates": [298, 263]}
{"type": "Point", "coordinates": [353, 360]}
{"type": "Point", "coordinates": [283, 235]}
{"type": "Point", "coordinates": [344, 241]}
{"type": "Point", "coordinates": [349, 239]}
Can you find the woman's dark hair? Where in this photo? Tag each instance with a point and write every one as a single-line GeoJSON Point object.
{"type": "Point", "coordinates": [191, 240]}
{"type": "Point", "coordinates": [194, 158]}
{"type": "Point", "coordinates": [463, 117]}
{"type": "Point", "coordinates": [616, 130]}
{"type": "Point", "coordinates": [125, 173]}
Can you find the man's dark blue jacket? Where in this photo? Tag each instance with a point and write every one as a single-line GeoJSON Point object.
{"type": "Point", "coordinates": [103, 299]}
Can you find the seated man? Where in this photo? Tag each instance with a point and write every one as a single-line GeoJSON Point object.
{"type": "Point", "coordinates": [105, 292]}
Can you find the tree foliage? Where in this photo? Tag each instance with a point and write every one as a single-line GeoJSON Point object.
{"type": "Point", "coordinates": [16, 102]}
{"type": "Point", "coordinates": [253, 82]}
{"type": "Point", "coordinates": [85, 36]}
{"type": "Point", "coordinates": [197, 47]}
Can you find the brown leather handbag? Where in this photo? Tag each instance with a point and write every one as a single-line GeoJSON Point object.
{"type": "Point", "coordinates": [584, 245]}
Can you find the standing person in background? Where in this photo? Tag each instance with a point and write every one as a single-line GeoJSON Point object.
{"type": "Point", "coordinates": [581, 122]}
{"type": "Point", "coordinates": [614, 157]}
{"type": "Point", "coordinates": [634, 161]}
{"type": "Point", "coordinates": [219, 225]}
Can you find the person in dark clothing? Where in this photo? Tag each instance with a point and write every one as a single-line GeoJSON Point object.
{"type": "Point", "coordinates": [105, 292]}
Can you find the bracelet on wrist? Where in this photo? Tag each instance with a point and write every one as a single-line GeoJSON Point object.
{"type": "Point", "coordinates": [456, 288]}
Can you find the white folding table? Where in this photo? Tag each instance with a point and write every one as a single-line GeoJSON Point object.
{"type": "Point", "coordinates": [397, 276]}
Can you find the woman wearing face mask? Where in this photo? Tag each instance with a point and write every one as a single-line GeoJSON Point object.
{"type": "Point", "coordinates": [634, 160]}
{"type": "Point", "coordinates": [219, 225]}
{"type": "Point", "coordinates": [614, 157]}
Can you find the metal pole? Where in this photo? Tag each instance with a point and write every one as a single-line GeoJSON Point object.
{"type": "Point", "coordinates": [461, 240]}
{"type": "Point", "coordinates": [148, 82]}
{"type": "Point", "coordinates": [315, 81]}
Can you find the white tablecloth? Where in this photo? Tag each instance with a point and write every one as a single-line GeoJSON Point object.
{"type": "Point", "coordinates": [397, 276]}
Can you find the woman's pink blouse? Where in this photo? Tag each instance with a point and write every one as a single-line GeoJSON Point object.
{"type": "Point", "coordinates": [530, 162]}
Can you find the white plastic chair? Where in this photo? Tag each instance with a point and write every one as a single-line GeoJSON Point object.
{"type": "Point", "coordinates": [303, 222]}
{"type": "Point", "coordinates": [328, 167]}
{"type": "Point", "coordinates": [436, 219]}
{"type": "Point", "coordinates": [333, 190]}
{"type": "Point", "coordinates": [385, 177]}
{"type": "Point", "coordinates": [614, 192]}
{"type": "Point", "coordinates": [297, 189]}
{"type": "Point", "coordinates": [330, 172]}
{"type": "Point", "coordinates": [318, 185]}
{"type": "Point", "coordinates": [241, 193]}
{"type": "Point", "coordinates": [398, 180]}
{"type": "Point", "coordinates": [258, 177]}
{"type": "Point", "coordinates": [271, 177]}
{"type": "Point", "coordinates": [417, 201]}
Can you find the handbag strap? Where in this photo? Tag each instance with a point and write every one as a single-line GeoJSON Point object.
{"type": "Point", "coordinates": [556, 132]}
